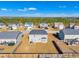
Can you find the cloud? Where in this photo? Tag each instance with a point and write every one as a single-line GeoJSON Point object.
{"type": "Point", "coordinates": [32, 8]}
{"type": "Point", "coordinates": [24, 9]}
{"type": "Point", "coordinates": [4, 9]}
{"type": "Point", "coordinates": [64, 6]}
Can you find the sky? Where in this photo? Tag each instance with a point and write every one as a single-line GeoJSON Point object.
{"type": "Point", "coordinates": [39, 8]}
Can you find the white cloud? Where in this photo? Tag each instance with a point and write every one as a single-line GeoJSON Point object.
{"type": "Point", "coordinates": [64, 6]}
{"type": "Point", "coordinates": [24, 9]}
{"type": "Point", "coordinates": [32, 8]}
{"type": "Point", "coordinates": [4, 9]}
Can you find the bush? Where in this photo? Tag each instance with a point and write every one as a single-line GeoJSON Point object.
{"type": "Point", "coordinates": [11, 44]}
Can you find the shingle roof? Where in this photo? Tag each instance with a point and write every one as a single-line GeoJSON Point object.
{"type": "Point", "coordinates": [71, 31]}
{"type": "Point", "coordinates": [42, 32]}
{"type": "Point", "coordinates": [9, 35]}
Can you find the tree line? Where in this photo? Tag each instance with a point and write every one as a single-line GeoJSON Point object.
{"type": "Point", "coordinates": [37, 20]}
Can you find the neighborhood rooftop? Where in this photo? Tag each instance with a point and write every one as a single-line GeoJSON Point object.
{"type": "Point", "coordinates": [38, 32]}
{"type": "Point", "coordinates": [43, 23]}
{"type": "Point", "coordinates": [71, 31]}
{"type": "Point", "coordinates": [9, 35]}
{"type": "Point", "coordinates": [28, 23]}
{"type": "Point", "coordinates": [2, 24]}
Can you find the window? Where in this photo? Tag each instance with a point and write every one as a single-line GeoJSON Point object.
{"type": "Point", "coordinates": [43, 38]}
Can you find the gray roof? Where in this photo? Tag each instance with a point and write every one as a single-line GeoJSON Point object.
{"type": "Point", "coordinates": [42, 32]}
{"type": "Point", "coordinates": [1, 24]}
{"type": "Point", "coordinates": [43, 23]}
{"type": "Point", "coordinates": [9, 35]}
{"type": "Point", "coordinates": [70, 31]}
{"type": "Point", "coordinates": [12, 24]}
{"type": "Point", "coordinates": [29, 23]}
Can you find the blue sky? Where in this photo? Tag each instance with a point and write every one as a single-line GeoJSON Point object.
{"type": "Point", "coordinates": [39, 8]}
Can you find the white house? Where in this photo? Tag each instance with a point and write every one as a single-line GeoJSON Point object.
{"type": "Point", "coordinates": [38, 36]}
{"type": "Point", "coordinates": [2, 25]}
{"type": "Point", "coordinates": [71, 25]}
{"type": "Point", "coordinates": [20, 24]}
{"type": "Point", "coordinates": [12, 26]}
{"type": "Point", "coordinates": [12, 37]}
{"type": "Point", "coordinates": [70, 36]}
{"type": "Point", "coordinates": [43, 25]}
{"type": "Point", "coordinates": [76, 27]}
{"type": "Point", "coordinates": [56, 24]}
{"type": "Point", "coordinates": [59, 25]}
{"type": "Point", "coordinates": [28, 25]}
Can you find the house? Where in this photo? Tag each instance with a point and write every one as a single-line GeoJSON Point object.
{"type": "Point", "coordinates": [38, 36]}
{"type": "Point", "coordinates": [43, 25]}
{"type": "Point", "coordinates": [70, 36]}
{"type": "Point", "coordinates": [2, 25]}
{"type": "Point", "coordinates": [10, 38]}
{"type": "Point", "coordinates": [13, 26]}
{"type": "Point", "coordinates": [59, 25]}
{"type": "Point", "coordinates": [28, 25]}
{"type": "Point", "coordinates": [71, 25]}
{"type": "Point", "coordinates": [56, 24]}
{"type": "Point", "coordinates": [20, 24]}
{"type": "Point", "coordinates": [76, 27]}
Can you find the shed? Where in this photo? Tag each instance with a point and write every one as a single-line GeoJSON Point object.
{"type": "Point", "coordinates": [38, 36]}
